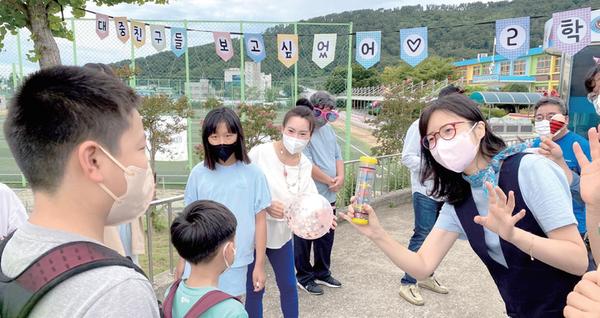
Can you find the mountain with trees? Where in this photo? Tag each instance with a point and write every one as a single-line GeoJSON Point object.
{"type": "Point", "coordinates": [455, 32]}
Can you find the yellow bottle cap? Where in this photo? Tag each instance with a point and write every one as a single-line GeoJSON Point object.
{"type": "Point", "coordinates": [367, 159]}
{"type": "Point", "coordinates": [360, 221]}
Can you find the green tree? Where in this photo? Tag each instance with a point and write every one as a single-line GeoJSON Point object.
{"type": "Point", "coordinates": [258, 124]}
{"type": "Point", "coordinates": [514, 87]}
{"type": "Point", "coordinates": [161, 132]}
{"type": "Point", "coordinates": [399, 111]}
{"type": "Point", "coordinates": [361, 77]}
{"type": "Point", "coordinates": [432, 68]}
{"type": "Point", "coordinates": [43, 19]}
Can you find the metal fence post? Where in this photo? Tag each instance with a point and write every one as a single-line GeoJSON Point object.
{"type": "Point", "coordinates": [74, 41]}
{"type": "Point", "coordinates": [348, 131]}
{"type": "Point", "coordinates": [149, 230]}
{"type": "Point", "coordinates": [169, 218]}
{"type": "Point", "coordinates": [242, 66]}
{"type": "Point", "coordinates": [295, 90]}
{"type": "Point", "coordinates": [20, 56]}
{"type": "Point", "coordinates": [188, 95]}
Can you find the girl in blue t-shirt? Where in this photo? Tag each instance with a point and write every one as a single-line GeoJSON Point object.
{"type": "Point", "coordinates": [226, 176]}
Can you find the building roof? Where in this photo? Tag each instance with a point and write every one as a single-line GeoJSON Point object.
{"type": "Point", "coordinates": [495, 58]}
{"type": "Point", "coordinates": [510, 98]}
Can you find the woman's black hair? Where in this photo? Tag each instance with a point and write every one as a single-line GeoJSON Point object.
{"type": "Point", "coordinates": [590, 81]}
{"type": "Point", "coordinates": [209, 127]}
{"type": "Point", "coordinates": [302, 112]}
{"type": "Point", "coordinates": [201, 229]}
{"type": "Point", "coordinates": [305, 102]}
{"type": "Point", "coordinates": [446, 183]}
{"type": "Point", "coordinates": [450, 89]}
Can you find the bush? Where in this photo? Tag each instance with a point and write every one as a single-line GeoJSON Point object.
{"type": "Point", "coordinates": [212, 103]}
{"type": "Point", "coordinates": [513, 87]}
{"type": "Point", "coordinates": [494, 112]}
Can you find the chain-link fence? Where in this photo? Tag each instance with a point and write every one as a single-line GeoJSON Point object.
{"type": "Point", "coordinates": [200, 74]}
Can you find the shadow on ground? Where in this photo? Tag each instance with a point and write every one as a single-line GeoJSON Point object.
{"type": "Point", "coordinates": [371, 281]}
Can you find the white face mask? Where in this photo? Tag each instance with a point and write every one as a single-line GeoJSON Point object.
{"type": "Point", "coordinates": [137, 198]}
{"type": "Point", "coordinates": [456, 154]}
{"type": "Point", "coordinates": [542, 128]}
{"type": "Point", "coordinates": [294, 145]}
{"type": "Point", "coordinates": [225, 257]}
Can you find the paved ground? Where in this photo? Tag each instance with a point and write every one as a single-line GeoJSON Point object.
{"type": "Point", "coordinates": [371, 281]}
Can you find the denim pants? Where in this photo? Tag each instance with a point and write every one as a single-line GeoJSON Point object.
{"type": "Point", "coordinates": [426, 213]}
{"type": "Point", "coordinates": [282, 261]}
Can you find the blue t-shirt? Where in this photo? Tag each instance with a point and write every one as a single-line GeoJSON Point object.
{"type": "Point", "coordinates": [243, 189]}
{"type": "Point", "coordinates": [323, 151]}
{"type": "Point", "coordinates": [545, 191]}
{"type": "Point", "coordinates": [566, 145]}
{"type": "Point", "coordinates": [186, 297]}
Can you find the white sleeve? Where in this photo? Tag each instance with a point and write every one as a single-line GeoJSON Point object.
{"type": "Point", "coordinates": [411, 151]}
{"type": "Point", "coordinates": [17, 215]}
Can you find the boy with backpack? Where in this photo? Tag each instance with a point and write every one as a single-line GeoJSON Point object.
{"type": "Point", "coordinates": [203, 235]}
{"type": "Point", "coordinates": [79, 141]}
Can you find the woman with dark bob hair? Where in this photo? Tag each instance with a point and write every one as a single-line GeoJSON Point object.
{"type": "Point", "coordinates": [529, 241]}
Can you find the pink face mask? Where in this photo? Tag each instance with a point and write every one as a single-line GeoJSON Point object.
{"type": "Point", "coordinates": [456, 154]}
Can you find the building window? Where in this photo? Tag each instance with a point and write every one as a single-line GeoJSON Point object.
{"type": "Point", "coordinates": [505, 68]}
{"type": "Point", "coordinates": [556, 65]}
{"type": "Point", "coordinates": [476, 70]}
{"type": "Point", "coordinates": [543, 65]}
{"type": "Point", "coordinates": [519, 67]}
{"type": "Point", "coordinates": [461, 72]}
{"type": "Point", "coordinates": [485, 69]}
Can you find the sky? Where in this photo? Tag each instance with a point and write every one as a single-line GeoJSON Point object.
{"type": "Point", "coordinates": [91, 49]}
{"type": "Point", "coordinates": [262, 10]}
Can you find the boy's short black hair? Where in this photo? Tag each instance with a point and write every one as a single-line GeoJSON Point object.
{"type": "Point", "coordinates": [101, 67]}
{"type": "Point", "coordinates": [200, 229]}
{"type": "Point", "coordinates": [56, 109]}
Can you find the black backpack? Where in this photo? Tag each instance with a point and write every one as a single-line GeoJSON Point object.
{"type": "Point", "coordinates": [19, 295]}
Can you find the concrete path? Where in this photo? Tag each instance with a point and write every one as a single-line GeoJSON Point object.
{"type": "Point", "coordinates": [371, 281]}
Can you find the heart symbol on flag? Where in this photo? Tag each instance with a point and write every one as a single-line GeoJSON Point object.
{"type": "Point", "coordinates": [413, 45]}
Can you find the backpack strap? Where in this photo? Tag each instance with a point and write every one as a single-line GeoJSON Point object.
{"type": "Point", "coordinates": [19, 295]}
{"type": "Point", "coordinates": [167, 305]}
{"type": "Point", "coordinates": [207, 301]}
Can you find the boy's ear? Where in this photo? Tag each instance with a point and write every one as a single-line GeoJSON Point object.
{"type": "Point", "coordinates": [90, 160]}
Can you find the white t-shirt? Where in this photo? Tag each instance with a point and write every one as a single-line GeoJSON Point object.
{"type": "Point", "coordinates": [282, 188]}
{"type": "Point", "coordinates": [12, 211]}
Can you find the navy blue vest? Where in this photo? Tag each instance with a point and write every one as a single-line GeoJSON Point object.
{"type": "Point", "coordinates": [528, 288]}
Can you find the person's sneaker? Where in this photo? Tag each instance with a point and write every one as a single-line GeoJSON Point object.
{"type": "Point", "coordinates": [311, 288]}
{"type": "Point", "coordinates": [412, 294]}
{"type": "Point", "coordinates": [432, 284]}
{"type": "Point", "coordinates": [329, 281]}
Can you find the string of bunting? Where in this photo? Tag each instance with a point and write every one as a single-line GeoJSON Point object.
{"type": "Point", "coordinates": [570, 32]}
